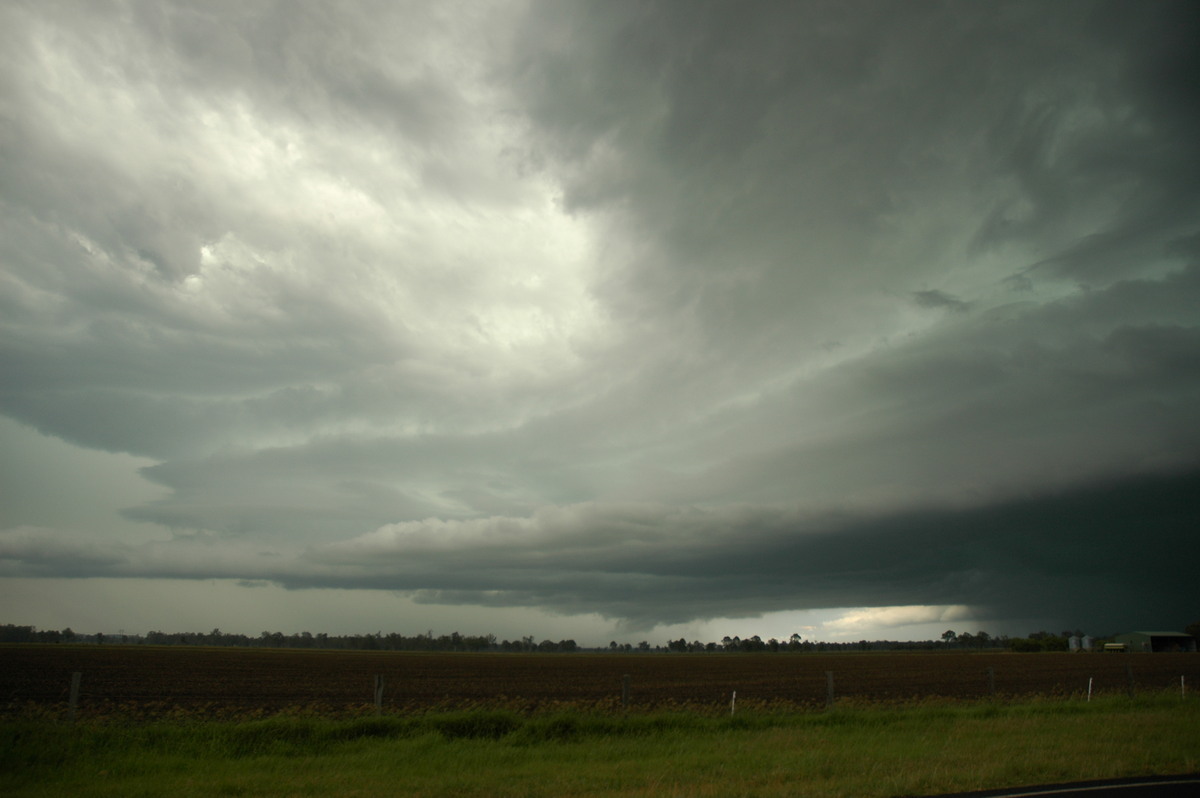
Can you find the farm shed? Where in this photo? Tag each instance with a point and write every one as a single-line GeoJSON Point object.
{"type": "Point", "coordinates": [1157, 641]}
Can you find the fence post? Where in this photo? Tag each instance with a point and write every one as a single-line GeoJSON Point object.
{"type": "Point", "coordinates": [378, 694]}
{"type": "Point", "coordinates": [73, 700]}
{"type": "Point", "coordinates": [733, 704]}
{"type": "Point", "coordinates": [829, 689]}
{"type": "Point", "coordinates": [625, 691]}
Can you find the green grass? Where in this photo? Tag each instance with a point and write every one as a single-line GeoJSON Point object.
{"type": "Point", "coordinates": [847, 752]}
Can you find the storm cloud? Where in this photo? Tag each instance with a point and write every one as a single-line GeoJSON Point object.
{"type": "Point", "coordinates": [658, 311]}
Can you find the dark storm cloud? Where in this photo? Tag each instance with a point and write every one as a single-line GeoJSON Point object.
{"type": "Point", "coordinates": [665, 310]}
{"type": "Point", "coordinates": [650, 564]}
{"type": "Point", "coordinates": [1017, 558]}
{"type": "Point", "coordinates": [1007, 402]}
{"type": "Point", "coordinates": [781, 174]}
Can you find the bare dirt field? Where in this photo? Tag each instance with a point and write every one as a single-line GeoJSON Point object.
{"type": "Point", "coordinates": [144, 682]}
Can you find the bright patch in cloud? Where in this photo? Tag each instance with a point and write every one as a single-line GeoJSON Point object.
{"type": "Point", "coordinates": [874, 620]}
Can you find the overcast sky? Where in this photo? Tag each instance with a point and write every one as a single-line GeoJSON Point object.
{"type": "Point", "coordinates": [600, 319]}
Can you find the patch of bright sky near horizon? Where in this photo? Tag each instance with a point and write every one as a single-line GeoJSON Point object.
{"type": "Point", "coordinates": [649, 318]}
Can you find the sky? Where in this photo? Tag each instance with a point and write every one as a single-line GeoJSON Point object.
{"type": "Point", "coordinates": [600, 320]}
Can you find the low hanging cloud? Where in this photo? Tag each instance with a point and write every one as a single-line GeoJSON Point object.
{"type": "Point", "coordinates": [665, 311]}
{"type": "Point", "coordinates": [1005, 559]}
{"type": "Point", "coordinates": [874, 618]}
{"type": "Point", "coordinates": [651, 564]}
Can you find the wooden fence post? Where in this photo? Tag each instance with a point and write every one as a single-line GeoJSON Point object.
{"type": "Point", "coordinates": [829, 689]}
{"type": "Point", "coordinates": [73, 700]}
{"type": "Point", "coordinates": [378, 694]}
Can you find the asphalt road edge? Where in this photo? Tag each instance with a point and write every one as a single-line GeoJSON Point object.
{"type": "Point", "coordinates": [1182, 784]}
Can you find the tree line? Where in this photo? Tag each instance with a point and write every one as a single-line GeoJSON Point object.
{"type": "Point", "coordinates": [377, 641]}
{"type": "Point", "coordinates": [454, 641]}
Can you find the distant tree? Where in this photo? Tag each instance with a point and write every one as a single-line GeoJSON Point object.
{"type": "Point", "coordinates": [949, 636]}
{"type": "Point", "coordinates": [1025, 645]}
{"type": "Point", "coordinates": [1039, 641]}
{"type": "Point", "coordinates": [1193, 629]}
{"type": "Point", "coordinates": [17, 634]}
{"type": "Point", "coordinates": [754, 643]}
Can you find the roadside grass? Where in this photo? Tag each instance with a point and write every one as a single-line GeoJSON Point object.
{"type": "Point", "coordinates": [916, 750]}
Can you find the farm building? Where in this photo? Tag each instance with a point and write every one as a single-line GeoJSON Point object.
{"type": "Point", "coordinates": [1157, 641]}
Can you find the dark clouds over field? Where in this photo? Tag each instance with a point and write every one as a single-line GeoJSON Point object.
{"type": "Point", "coordinates": [660, 312]}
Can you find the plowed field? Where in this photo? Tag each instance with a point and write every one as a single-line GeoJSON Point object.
{"type": "Point", "coordinates": [229, 682]}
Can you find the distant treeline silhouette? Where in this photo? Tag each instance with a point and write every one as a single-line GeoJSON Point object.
{"type": "Point", "coordinates": [378, 641]}
{"type": "Point", "coordinates": [1036, 641]}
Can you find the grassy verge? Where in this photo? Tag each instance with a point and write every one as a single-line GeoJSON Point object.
{"type": "Point", "coordinates": [848, 752]}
